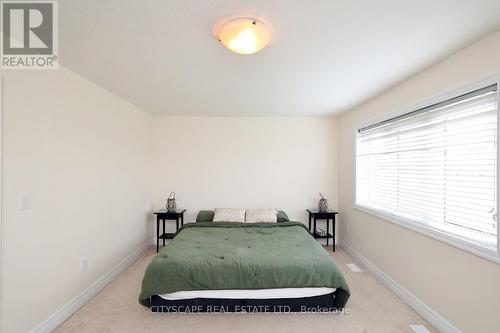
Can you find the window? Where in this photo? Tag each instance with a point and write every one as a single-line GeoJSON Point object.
{"type": "Point", "coordinates": [435, 168]}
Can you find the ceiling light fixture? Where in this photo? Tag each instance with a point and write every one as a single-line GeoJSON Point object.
{"type": "Point", "coordinates": [244, 35]}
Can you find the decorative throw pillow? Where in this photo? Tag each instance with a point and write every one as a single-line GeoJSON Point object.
{"type": "Point", "coordinates": [205, 216]}
{"type": "Point", "coordinates": [229, 215]}
{"type": "Point", "coordinates": [282, 217]}
{"type": "Point", "coordinates": [261, 215]}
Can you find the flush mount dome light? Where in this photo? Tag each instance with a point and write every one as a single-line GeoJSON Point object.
{"type": "Point", "coordinates": [244, 35]}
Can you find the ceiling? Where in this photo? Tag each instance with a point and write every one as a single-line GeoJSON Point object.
{"type": "Point", "coordinates": [326, 55]}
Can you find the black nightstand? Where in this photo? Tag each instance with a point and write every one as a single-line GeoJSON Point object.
{"type": "Point", "coordinates": [315, 215]}
{"type": "Point", "coordinates": [163, 215]}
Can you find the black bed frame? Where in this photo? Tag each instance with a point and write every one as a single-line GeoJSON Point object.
{"type": "Point", "coordinates": [329, 303]}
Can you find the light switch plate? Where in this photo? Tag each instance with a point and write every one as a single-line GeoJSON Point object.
{"type": "Point", "coordinates": [84, 265]}
{"type": "Point", "coordinates": [24, 201]}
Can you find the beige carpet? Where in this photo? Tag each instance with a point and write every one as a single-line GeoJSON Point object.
{"type": "Point", "coordinates": [373, 308]}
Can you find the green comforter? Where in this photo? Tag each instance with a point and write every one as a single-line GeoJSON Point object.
{"type": "Point", "coordinates": [229, 255]}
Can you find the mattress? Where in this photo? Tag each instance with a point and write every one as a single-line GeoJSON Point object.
{"type": "Point", "coordinates": [250, 293]}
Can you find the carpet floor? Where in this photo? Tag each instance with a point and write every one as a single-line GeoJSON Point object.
{"type": "Point", "coordinates": [373, 308]}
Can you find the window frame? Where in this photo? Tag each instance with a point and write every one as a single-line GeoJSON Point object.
{"type": "Point", "coordinates": [439, 234]}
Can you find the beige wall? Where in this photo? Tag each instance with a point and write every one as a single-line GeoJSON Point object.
{"type": "Point", "coordinates": [245, 162]}
{"type": "Point", "coordinates": [84, 155]}
{"type": "Point", "coordinates": [462, 287]}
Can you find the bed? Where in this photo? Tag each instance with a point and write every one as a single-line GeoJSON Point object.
{"type": "Point", "coordinates": [243, 267]}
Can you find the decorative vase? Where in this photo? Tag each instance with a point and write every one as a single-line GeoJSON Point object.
{"type": "Point", "coordinates": [171, 205]}
{"type": "Point", "coordinates": [322, 204]}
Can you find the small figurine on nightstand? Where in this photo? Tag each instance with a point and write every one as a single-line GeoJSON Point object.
{"type": "Point", "coordinates": [171, 205]}
{"type": "Point", "coordinates": [322, 204]}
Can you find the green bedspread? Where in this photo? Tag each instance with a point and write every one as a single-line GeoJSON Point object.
{"type": "Point", "coordinates": [230, 255]}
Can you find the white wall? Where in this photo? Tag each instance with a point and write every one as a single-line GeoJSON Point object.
{"type": "Point", "coordinates": [462, 287]}
{"type": "Point", "coordinates": [84, 156]}
{"type": "Point", "coordinates": [245, 162]}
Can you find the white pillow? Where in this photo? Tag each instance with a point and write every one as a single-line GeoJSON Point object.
{"type": "Point", "coordinates": [229, 215]}
{"type": "Point", "coordinates": [261, 215]}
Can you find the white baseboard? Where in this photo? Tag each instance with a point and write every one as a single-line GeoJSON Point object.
{"type": "Point", "coordinates": [57, 318]}
{"type": "Point", "coordinates": [322, 241]}
{"type": "Point", "coordinates": [161, 242]}
{"type": "Point", "coordinates": [425, 311]}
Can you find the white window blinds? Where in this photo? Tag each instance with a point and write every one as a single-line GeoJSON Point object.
{"type": "Point", "coordinates": [435, 166]}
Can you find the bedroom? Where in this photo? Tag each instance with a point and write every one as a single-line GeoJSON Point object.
{"type": "Point", "coordinates": [387, 110]}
